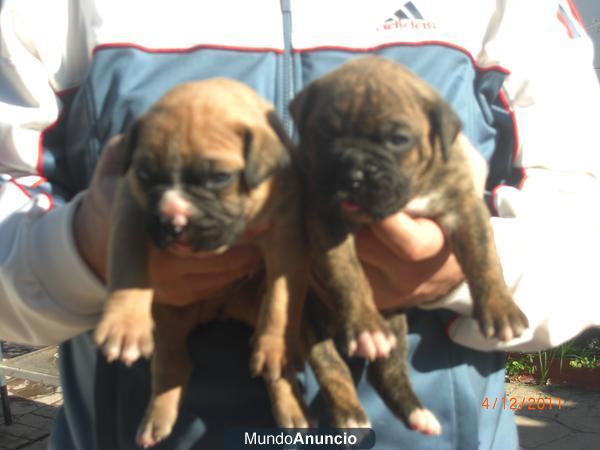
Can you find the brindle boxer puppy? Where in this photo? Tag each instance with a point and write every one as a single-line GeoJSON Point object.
{"type": "Point", "coordinates": [207, 170]}
{"type": "Point", "coordinates": [377, 140]}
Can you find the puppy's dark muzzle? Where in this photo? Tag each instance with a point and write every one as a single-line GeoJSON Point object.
{"type": "Point", "coordinates": [367, 177]}
{"type": "Point", "coordinates": [200, 234]}
{"type": "Point", "coordinates": [164, 234]}
{"type": "Point", "coordinates": [209, 233]}
{"type": "Point", "coordinates": [208, 227]}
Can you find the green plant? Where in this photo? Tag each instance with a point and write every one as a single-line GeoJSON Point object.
{"type": "Point", "coordinates": [564, 351]}
{"type": "Point", "coordinates": [523, 363]}
{"type": "Point", "coordinates": [578, 356]}
{"type": "Point", "coordinates": [587, 362]}
{"type": "Point", "coordinates": [514, 367]}
{"type": "Point", "coordinates": [587, 356]}
{"type": "Point", "coordinates": [545, 359]}
{"type": "Point", "coordinates": [593, 347]}
{"type": "Point", "coordinates": [530, 367]}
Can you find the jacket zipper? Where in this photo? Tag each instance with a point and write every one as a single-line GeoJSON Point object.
{"type": "Point", "coordinates": [287, 84]}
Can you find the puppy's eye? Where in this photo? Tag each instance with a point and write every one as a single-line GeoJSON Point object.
{"type": "Point", "coordinates": [399, 140]}
{"type": "Point", "coordinates": [143, 174]}
{"type": "Point", "coordinates": [218, 180]}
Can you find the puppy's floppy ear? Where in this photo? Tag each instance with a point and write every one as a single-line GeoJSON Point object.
{"type": "Point", "coordinates": [129, 144]}
{"type": "Point", "coordinates": [266, 150]}
{"type": "Point", "coordinates": [301, 104]}
{"type": "Point", "coordinates": [445, 126]}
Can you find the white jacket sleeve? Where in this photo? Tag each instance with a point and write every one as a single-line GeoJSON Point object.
{"type": "Point", "coordinates": [548, 229]}
{"type": "Point", "coordinates": [47, 294]}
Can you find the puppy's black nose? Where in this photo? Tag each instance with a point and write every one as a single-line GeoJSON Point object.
{"type": "Point", "coordinates": [172, 230]}
{"type": "Point", "coordinates": [356, 178]}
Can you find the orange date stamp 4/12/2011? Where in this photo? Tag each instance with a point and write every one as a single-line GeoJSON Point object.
{"type": "Point", "coordinates": [520, 403]}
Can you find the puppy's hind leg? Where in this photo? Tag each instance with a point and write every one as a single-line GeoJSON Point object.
{"type": "Point", "coordinates": [331, 371]}
{"type": "Point", "coordinates": [390, 379]}
{"type": "Point", "coordinates": [171, 367]}
{"type": "Point", "coordinates": [286, 402]}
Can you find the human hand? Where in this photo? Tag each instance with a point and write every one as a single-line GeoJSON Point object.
{"type": "Point", "coordinates": [176, 280]}
{"type": "Point", "coordinates": [407, 261]}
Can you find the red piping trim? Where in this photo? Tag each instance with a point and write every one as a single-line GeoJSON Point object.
{"type": "Point", "coordinates": [523, 179]}
{"type": "Point", "coordinates": [566, 23]}
{"type": "Point", "coordinates": [50, 201]}
{"type": "Point", "coordinates": [184, 50]}
{"type": "Point", "coordinates": [513, 118]}
{"type": "Point", "coordinates": [40, 158]}
{"type": "Point", "coordinates": [66, 91]}
{"type": "Point", "coordinates": [303, 50]}
{"type": "Point", "coordinates": [409, 44]}
{"type": "Point", "coordinates": [24, 190]}
{"type": "Point", "coordinates": [21, 188]}
{"type": "Point", "coordinates": [42, 180]}
{"type": "Point", "coordinates": [575, 12]}
{"type": "Point", "coordinates": [506, 105]}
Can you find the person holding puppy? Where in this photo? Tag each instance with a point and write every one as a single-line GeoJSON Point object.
{"type": "Point", "coordinates": [74, 74]}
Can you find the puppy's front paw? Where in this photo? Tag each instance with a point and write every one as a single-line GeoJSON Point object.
{"type": "Point", "coordinates": [424, 421]}
{"type": "Point", "coordinates": [159, 420]}
{"type": "Point", "coordinates": [345, 414]}
{"type": "Point", "coordinates": [125, 338]}
{"type": "Point", "coordinates": [288, 409]}
{"type": "Point", "coordinates": [501, 318]}
{"type": "Point", "coordinates": [369, 336]}
{"type": "Point", "coordinates": [125, 330]}
{"type": "Point", "coordinates": [268, 357]}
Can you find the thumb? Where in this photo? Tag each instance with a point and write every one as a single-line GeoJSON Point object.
{"type": "Point", "coordinates": [112, 157]}
{"type": "Point", "coordinates": [410, 238]}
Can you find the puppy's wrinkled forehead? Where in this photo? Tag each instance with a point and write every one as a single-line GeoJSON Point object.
{"type": "Point", "coordinates": [206, 120]}
{"type": "Point", "coordinates": [367, 91]}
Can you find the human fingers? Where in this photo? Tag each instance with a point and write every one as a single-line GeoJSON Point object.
{"type": "Point", "coordinates": [241, 258]}
{"type": "Point", "coordinates": [181, 281]}
{"type": "Point", "coordinates": [411, 238]}
{"type": "Point", "coordinates": [92, 218]}
{"type": "Point", "coordinates": [112, 158]}
{"type": "Point", "coordinates": [413, 283]}
{"type": "Point", "coordinates": [190, 289]}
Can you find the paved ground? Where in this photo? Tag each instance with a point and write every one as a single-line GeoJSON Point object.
{"type": "Point", "coordinates": [33, 408]}
{"type": "Point", "coordinates": [575, 426]}
{"type": "Point", "coordinates": [572, 424]}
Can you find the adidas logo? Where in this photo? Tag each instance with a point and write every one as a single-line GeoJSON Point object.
{"type": "Point", "coordinates": [408, 11]}
{"type": "Point", "coordinates": [408, 16]}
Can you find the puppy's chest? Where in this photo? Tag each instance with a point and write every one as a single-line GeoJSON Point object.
{"type": "Point", "coordinates": [434, 205]}
{"type": "Point", "coordinates": [425, 205]}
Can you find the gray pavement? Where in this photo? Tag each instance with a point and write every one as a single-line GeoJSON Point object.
{"type": "Point", "coordinates": [565, 418]}
{"type": "Point", "coordinates": [574, 425]}
{"type": "Point", "coordinates": [33, 408]}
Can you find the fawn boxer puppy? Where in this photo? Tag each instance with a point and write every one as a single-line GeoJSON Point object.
{"type": "Point", "coordinates": [206, 169]}
{"type": "Point", "coordinates": [376, 140]}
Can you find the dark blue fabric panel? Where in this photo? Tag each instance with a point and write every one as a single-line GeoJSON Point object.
{"type": "Point", "coordinates": [450, 380]}
{"type": "Point", "coordinates": [54, 163]}
{"type": "Point", "coordinates": [472, 93]}
{"type": "Point", "coordinates": [124, 82]}
{"type": "Point", "coordinates": [433, 63]}
{"type": "Point", "coordinates": [104, 403]}
{"type": "Point", "coordinates": [503, 161]}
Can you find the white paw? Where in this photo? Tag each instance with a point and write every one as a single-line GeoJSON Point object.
{"type": "Point", "coordinates": [423, 421]}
